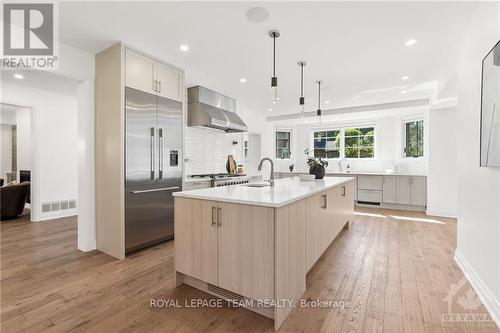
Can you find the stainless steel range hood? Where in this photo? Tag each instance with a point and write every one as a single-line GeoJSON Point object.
{"type": "Point", "coordinates": [206, 108]}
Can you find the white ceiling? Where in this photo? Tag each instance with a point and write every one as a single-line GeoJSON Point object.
{"type": "Point", "coordinates": [43, 80]}
{"type": "Point", "coordinates": [356, 48]}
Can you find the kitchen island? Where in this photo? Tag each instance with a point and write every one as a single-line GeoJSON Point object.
{"type": "Point", "coordinates": [252, 245]}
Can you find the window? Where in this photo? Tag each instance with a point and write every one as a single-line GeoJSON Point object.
{"type": "Point", "coordinates": [414, 138]}
{"type": "Point", "coordinates": [349, 142]}
{"type": "Point", "coordinates": [327, 144]}
{"type": "Point", "coordinates": [359, 142]}
{"type": "Point", "coordinates": [282, 144]}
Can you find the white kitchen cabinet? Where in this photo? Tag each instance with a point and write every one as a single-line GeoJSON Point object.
{"type": "Point", "coordinates": [366, 182]}
{"type": "Point", "coordinates": [411, 190]}
{"type": "Point", "coordinates": [140, 72]}
{"type": "Point", "coordinates": [403, 190]}
{"type": "Point", "coordinates": [389, 189]}
{"type": "Point", "coordinates": [148, 75]}
{"type": "Point", "coordinates": [418, 191]}
{"type": "Point", "coordinates": [169, 82]}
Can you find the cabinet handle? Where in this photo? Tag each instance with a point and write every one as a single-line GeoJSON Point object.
{"type": "Point", "coordinates": [219, 215]}
{"type": "Point", "coordinates": [323, 204]}
{"type": "Point", "coordinates": [214, 213]}
{"type": "Point", "coordinates": [159, 86]}
{"type": "Point", "coordinates": [326, 201]}
{"type": "Point", "coordinates": [343, 191]}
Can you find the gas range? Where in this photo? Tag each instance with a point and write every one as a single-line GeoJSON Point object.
{"type": "Point", "coordinates": [224, 179]}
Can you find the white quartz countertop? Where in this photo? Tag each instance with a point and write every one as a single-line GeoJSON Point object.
{"type": "Point", "coordinates": [367, 173]}
{"type": "Point", "coordinates": [284, 192]}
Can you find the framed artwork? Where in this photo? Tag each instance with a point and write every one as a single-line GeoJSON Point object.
{"type": "Point", "coordinates": [490, 109]}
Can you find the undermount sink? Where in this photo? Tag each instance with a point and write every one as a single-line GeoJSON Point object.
{"type": "Point", "coordinates": [257, 184]}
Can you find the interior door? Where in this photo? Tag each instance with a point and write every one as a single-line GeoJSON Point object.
{"type": "Point", "coordinates": [140, 143]}
{"type": "Point", "coordinates": [170, 83]}
{"type": "Point", "coordinates": [169, 137]}
{"type": "Point", "coordinates": [140, 72]}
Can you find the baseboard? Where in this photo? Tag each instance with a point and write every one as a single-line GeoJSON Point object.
{"type": "Point", "coordinates": [58, 215]}
{"type": "Point", "coordinates": [440, 214]}
{"type": "Point", "coordinates": [491, 304]}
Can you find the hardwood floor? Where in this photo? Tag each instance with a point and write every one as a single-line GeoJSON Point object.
{"type": "Point", "coordinates": [395, 268]}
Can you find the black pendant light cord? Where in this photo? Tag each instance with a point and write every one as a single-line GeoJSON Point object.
{"type": "Point", "coordinates": [274, 55]}
{"type": "Point", "coordinates": [319, 95]}
{"type": "Point", "coordinates": [301, 80]}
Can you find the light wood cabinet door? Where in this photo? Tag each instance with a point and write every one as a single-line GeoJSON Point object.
{"type": "Point", "coordinates": [169, 83]}
{"type": "Point", "coordinates": [419, 191]}
{"type": "Point", "coordinates": [315, 228]}
{"type": "Point", "coordinates": [195, 231]}
{"type": "Point", "coordinates": [403, 190]}
{"type": "Point", "coordinates": [389, 189]}
{"type": "Point", "coordinates": [335, 212]}
{"type": "Point", "coordinates": [140, 72]}
{"type": "Point", "coordinates": [246, 250]}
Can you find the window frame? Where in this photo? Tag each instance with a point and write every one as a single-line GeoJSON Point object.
{"type": "Point", "coordinates": [341, 128]}
{"type": "Point", "coordinates": [412, 119]}
{"type": "Point", "coordinates": [290, 133]}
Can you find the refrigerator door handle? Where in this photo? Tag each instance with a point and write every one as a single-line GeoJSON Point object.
{"type": "Point", "coordinates": [152, 153]}
{"type": "Point", "coordinates": [161, 144]}
{"type": "Point", "coordinates": [156, 190]}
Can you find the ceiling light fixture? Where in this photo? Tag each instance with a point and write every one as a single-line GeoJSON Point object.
{"type": "Point", "coordinates": [243, 80]}
{"type": "Point", "coordinates": [406, 77]}
{"type": "Point", "coordinates": [410, 42]}
{"type": "Point", "coordinates": [18, 76]}
{"type": "Point", "coordinates": [403, 91]}
{"type": "Point", "coordinates": [184, 48]}
{"type": "Point", "coordinates": [302, 100]}
{"type": "Point", "coordinates": [327, 102]}
{"type": "Point", "coordinates": [274, 80]}
{"type": "Point", "coordinates": [318, 112]}
{"type": "Point", "coordinates": [269, 110]}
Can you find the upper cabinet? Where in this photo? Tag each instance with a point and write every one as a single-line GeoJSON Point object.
{"type": "Point", "coordinates": [146, 74]}
{"type": "Point", "coordinates": [169, 82]}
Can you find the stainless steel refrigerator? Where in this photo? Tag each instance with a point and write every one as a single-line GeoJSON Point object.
{"type": "Point", "coordinates": [153, 167]}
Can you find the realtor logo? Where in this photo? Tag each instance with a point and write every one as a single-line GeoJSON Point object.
{"type": "Point", "coordinates": [28, 29]}
{"type": "Point", "coordinates": [29, 36]}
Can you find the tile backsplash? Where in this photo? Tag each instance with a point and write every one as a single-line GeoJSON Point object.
{"type": "Point", "coordinates": [207, 150]}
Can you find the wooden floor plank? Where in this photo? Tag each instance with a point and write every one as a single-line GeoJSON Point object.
{"type": "Point", "coordinates": [391, 270]}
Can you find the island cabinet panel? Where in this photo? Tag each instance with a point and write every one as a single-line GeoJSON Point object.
{"type": "Point", "coordinates": [246, 250]}
{"type": "Point", "coordinates": [290, 257]}
{"type": "Point", "coordinates": [334, 211]}
{"type": "Point", "coordinates": [315, 228]}
{"type": "Point", "coordinates": [196, 238]}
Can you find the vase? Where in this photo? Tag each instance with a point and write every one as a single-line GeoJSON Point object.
{"type": "Point", "coordinates": [318, 171]}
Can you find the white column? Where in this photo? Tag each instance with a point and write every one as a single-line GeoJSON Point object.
{"type": "Point", "coordinates": [86, 170]}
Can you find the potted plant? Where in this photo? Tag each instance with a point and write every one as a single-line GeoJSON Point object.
{"type": "Point", "coordinates": [316, 164]}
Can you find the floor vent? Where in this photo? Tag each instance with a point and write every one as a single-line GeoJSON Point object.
{"type": "Point", "coordinates": [226, 294]}
{"type": "Point", "coordinates": [58, 205]}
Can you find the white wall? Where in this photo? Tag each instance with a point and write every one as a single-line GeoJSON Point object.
{"type": "Point", "coordinates": [388, 143]}
{"type": "Point", "coordinates": [478, 243]}
{"type": "Point", "coordinates": [55, 132]}
{"type": "Point", "coordinates": [23, 123]}
{"type": "Point", "coordinates": [442, 171]}
{"type": "Point", "coordinates": [5, 150]}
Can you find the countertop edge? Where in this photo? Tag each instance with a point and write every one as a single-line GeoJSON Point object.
{"type": "Point", "coordinates": [189, 195]}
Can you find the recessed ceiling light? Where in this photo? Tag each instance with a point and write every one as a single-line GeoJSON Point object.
{"type": "Point", "coordinates": [327, 102]}
{"type": "Point", "coordinates": [184, 48]}
{"type": "Point", "coordinates": [410, 42]}
{"type": "Point", "coordinates": [257, 14]}
{"type": "Point", "coordinates": [18, 76]}
{"type": "Point", "coordinates": [403, 91]}
{"type": "Point", "coordinates": [269, 110]}
{"type": "Point", "coordinates": [243, 80]}
{"type": "Point", "coordinates": [356, 97]}
{"type": "Point", "coordinates": [406, 77]}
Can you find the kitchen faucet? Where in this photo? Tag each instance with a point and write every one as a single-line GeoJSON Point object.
{"type": "Point", "coordinates": [271, 178]}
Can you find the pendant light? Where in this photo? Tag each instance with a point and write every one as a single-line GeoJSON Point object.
{"type": "Point", "coordinates": [301, 63]}
{"type": "Point", "coordinates": [274, 80]}
{"type": "Point", "coordinates": [318, 112]}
